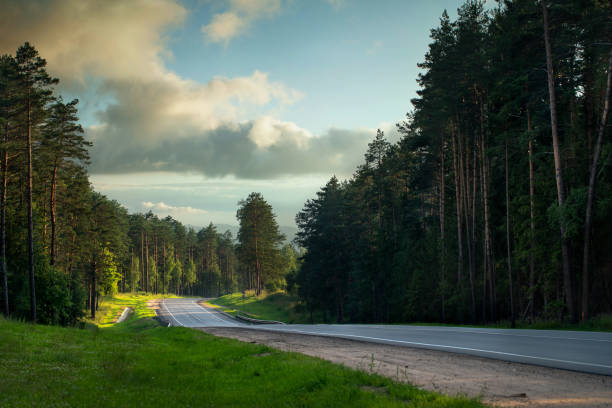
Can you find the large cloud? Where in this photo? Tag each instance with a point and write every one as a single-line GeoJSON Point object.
{"type": "Point", "coordinates": [172, 107]}
{"type": "Point", "coordinates": [157, 120]}
{"type": "Point", "coordinates": [262, 148]}
{"type": "Point", "coordinates": [113, 39]}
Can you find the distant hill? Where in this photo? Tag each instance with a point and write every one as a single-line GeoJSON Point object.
{"type": "Point", "coordinates": [289, 232]}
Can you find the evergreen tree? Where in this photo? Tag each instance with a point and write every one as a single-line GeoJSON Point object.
{"type": "Point", "coordinates": [259, 240]}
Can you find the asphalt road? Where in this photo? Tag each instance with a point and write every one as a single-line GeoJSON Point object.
{"type": "Point", "coordinates": [589, 352]}
{"type": "Point", "coordinates": [188, 313]}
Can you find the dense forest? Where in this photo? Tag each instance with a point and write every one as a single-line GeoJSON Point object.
{"type": "Point", "coordinates": [495, 204]}
{"type": "Point", "coordinates": [497, 201]}
{"type": "Point", "coordinates": [63, 245]}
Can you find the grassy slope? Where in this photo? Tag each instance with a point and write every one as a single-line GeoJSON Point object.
{"type": "Point", "coordinates": [139, 363]}
{"type": "Point", "coordinates": [280, 306]}
{"type": "Point", "coordinates": [277, 306]}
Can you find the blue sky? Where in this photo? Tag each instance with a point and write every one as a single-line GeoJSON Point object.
{"type": "Point", "coordinates": [355, 63]}
{"type": "Point", "coordinates": [191, 105]}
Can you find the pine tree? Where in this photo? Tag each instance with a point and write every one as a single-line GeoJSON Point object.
{"type": "Point", "coordinates": [35, 84]}
{"type": "Point", "coordinates": [259, 240]}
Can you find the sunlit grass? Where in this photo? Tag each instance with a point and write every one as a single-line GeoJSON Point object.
{"type": "Point", "coordinates": [112, 306]}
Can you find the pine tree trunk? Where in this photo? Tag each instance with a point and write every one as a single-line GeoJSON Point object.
{"type": "Point", "coordinates": [30, 218]}
{"type": "Point", "coordinates": [442, 228]}
{"type": "Point", "coordinates": [567, 283]}
{"type": "Point", "coordinates": [478, 183]}
{"type": "Point", "coordinates": [487, 213]}
{"type": "Point", "coordinates": [52, 210]}
{"type": "Point", "coordinates": [459, 210]}
{"type": "Point", "coordinates": [475, 174]}
{"type": "Point", "coordinates": [508, 241]}
{"type": "Point", "coordinates": [257, 264]}
{"type": "Point", "coordinates": [142, 262]}
{"type": "Point", "coordinates": [164, 270]}
{"type": "Point", "coordinates": [146, 263]}
{"type": "Point", "coordinates": [591, 196]}
{"type": "Point", "coordinates": [93, 289]}
{"type": "Point", "coordinates": [464, 181]}
{"type": "Point", "coordinates": [532, 221]}
{"type": "Point", "coordinates": [3, 264]}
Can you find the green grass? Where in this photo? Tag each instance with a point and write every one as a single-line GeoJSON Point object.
{"type": "Point", "coordinates": [139, 363]}
{"type": "Point", "coordinates": [277, 306]}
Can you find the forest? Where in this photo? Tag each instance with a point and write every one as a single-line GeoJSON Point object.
{"type": "Point", "coordinates": [495, 204]}
{"type": "Point", "coordinates": [63, 245]}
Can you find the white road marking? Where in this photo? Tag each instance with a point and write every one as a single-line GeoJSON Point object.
{"type": "Point", "coordinates": [168, 310]}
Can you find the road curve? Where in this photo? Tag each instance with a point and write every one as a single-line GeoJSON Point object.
{"type": "Point", "coordinates": [589, 352]}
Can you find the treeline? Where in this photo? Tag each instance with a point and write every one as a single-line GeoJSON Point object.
{"type": "Point", "coordinates": [167, 257]}
{"type": "Point", "coordinates": [497, 201]}
{"type": "Point", "coordinates": [63, 245]}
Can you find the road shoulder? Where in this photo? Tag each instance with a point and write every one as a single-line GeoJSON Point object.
{"type": "Point", "coordinates": [499, 383]}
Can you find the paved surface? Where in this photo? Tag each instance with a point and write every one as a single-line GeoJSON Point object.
{"type": "Point", "coordinates": [589, 352]}
{"type": "Point", "coordinates": [188, 313]}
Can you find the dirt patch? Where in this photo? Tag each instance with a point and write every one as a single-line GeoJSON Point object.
{"type": "Point", "coordinates": [497, 382]}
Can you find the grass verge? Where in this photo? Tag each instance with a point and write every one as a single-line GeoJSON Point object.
{"type": "Point", "coordinates": [277, 306]}
{"type": "Point", "coordinates": [141, 364]}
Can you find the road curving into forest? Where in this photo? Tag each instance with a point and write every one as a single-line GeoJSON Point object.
{"type": "Point", "coordinates": [589, 352]}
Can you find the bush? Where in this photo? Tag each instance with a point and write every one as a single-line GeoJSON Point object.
{"type": "Point", "coordinates": [60, 299]}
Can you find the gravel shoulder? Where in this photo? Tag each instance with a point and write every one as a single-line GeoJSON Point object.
{"type": "Point", "coordinates": [498, 383]}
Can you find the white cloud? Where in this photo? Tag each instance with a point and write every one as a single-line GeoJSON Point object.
{"type": "Point", "coordinates": [240, 15]}
{"type": "Point", "coordinates": [224, 27]}
{"type": "Point", "coordinates": [173, 107]}
{"type": "Point", "coordinates": [162, 208]}
{"type": "Point", "coordinates": [267, 132]}
{"type": "Point", "coordinates": [112, 38]}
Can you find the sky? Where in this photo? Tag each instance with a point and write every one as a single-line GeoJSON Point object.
{"type": "Point", "coordinates": [191, 105]}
